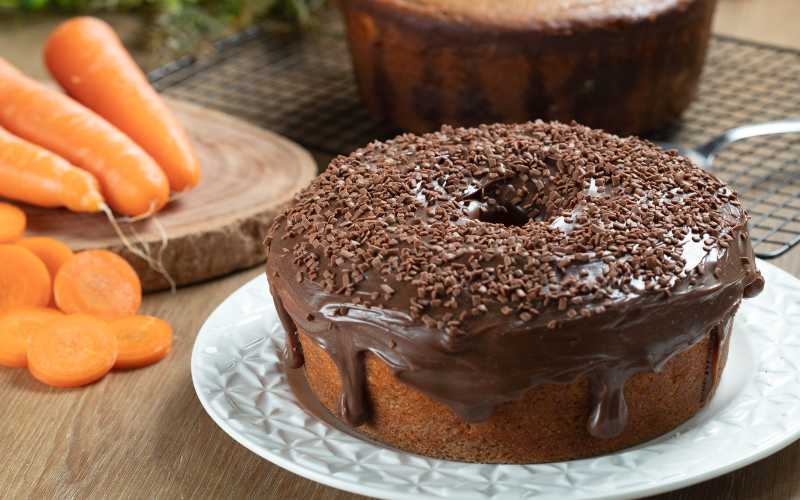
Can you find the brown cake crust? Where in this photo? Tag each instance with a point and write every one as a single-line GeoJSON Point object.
{"type": "Point", "coordinates": [548, 424]}
{"type": "Point", "coordinates": [628, 70]}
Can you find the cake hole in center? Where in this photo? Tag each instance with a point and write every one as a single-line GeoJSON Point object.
{"type": "Point", "coordinates": [507, 215]}
{"type": "Point", "coordinates": [496, 203]}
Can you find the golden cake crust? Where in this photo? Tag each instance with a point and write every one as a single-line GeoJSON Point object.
{"type": "Point", "coordinates": [548, 424]}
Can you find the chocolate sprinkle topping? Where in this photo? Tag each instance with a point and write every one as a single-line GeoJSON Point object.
{"type": "Point", "coordinates": [506, 217]}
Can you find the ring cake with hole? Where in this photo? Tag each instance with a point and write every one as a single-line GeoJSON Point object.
{"type": "Point", "coordinates": [511, 293]}
{"type": "Point", "coordinates": [627, 66]}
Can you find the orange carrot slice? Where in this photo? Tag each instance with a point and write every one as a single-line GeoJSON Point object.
{"type": "Point", "coordinates": [53, 253]}
{"type": "Point", "coordinates": [34, 175]}
{"type": "Point", "coordinates": [88, 59]}
{"type": "Point", "coordinates": [100, 283]}
{"type": "Point", "coordinates": [142, 340]}
{"type": "Point", "coordinates": [131, 181]}
{"type": "Point", "coordinates": [12, 223]}
{"type": "Point", "coordinates": [72, 351]}
{"type": "Point", "coordinates": [24, 279]}
{"type": "Point", "coordinates": [16, 328]}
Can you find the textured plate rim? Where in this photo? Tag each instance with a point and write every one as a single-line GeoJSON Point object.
{"type": "Point", "coordinates": [352, 486]}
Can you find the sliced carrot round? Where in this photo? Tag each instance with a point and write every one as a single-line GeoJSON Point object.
{"type": "Point", "coordinates": [142, 340]}
{"type": "Point", "coordinates": [16, 328]}
{"type": "Point", "coordinates": [100, 283]}
{"type": "Point", "coordinates": [53, 253]}
{"type": "Point", "coordinates": [73, 351]}
{"type": "Point", "coordinates": [24, 279]}
{"type": "Point", "coordinates": [12, 223]}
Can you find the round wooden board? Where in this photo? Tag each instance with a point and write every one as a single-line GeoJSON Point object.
{"type": "Point", "coordinates": [215, 229]}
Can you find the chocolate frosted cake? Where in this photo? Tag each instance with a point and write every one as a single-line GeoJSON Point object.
{"type": "Point", "coordinates": [511, 293]}
{"type": "Point", "coordinates": [627, 66]}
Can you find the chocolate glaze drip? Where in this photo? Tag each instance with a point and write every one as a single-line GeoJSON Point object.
{"type": "Point", "coordinates": [719, 336]}
{"type": "Point", "coordinates": [609, 410]}
{"type": "Point", "coordinates": [504, 357]}
{"type": "Point", "coordinates": [294, 351]}
{"type": "Point", "coordinates": [713, 361]}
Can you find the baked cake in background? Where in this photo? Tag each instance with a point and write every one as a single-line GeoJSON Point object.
{"type": "Point", "coordinates": [626, 66]}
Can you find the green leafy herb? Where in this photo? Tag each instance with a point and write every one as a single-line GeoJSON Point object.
{"type": "Point", "coordinates": [178, 27]}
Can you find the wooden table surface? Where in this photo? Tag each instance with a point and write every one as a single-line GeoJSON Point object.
{"type": "Point", "coordinates": [143, 434]}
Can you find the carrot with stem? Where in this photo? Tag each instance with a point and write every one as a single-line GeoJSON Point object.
{"type": "Point", "coordinates": [16, 328]}
{"type": "Point", "coordinates": [72, 351]}
{"type": "Point", "coordinates": [142, 340]}
{"type": "Point", "coordinates": [131, 181]}
{"type": "Point", "coordinates": [34, 175]}
{"type": "Point", "coordinates": [100, 283]}
{"type": "Point", "coordinates": [88, 60]}
{"type": "Point", "coordinates": [24, 279]}
{"type": "Point", "coordinates": [12, 223]}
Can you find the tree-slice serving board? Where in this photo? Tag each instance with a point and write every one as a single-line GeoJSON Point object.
{"type": "Point", "coordinates": [248, 174]}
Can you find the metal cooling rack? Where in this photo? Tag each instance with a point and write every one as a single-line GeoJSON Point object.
{"type": "Point", "coordinates": [302, 86]}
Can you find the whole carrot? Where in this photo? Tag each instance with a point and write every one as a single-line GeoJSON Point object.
{"type": "Point", "coordinates": [34, 175]}
{"type": "Point", "coordinates": [88, 59]}
{"type": "Point", "coordinates": [131, 181]}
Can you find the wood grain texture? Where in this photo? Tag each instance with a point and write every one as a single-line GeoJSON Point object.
{"type": "Point", "coordinates": [215, 229]}
{"type": "Point", "coordinates": [143, 434]}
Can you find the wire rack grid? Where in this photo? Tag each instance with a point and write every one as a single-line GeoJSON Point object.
{"type": "Point", "coordinates": [302, 86]}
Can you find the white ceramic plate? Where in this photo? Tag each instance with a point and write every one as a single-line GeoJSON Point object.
{"type": "Point", "coordinates": [239, 378]}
